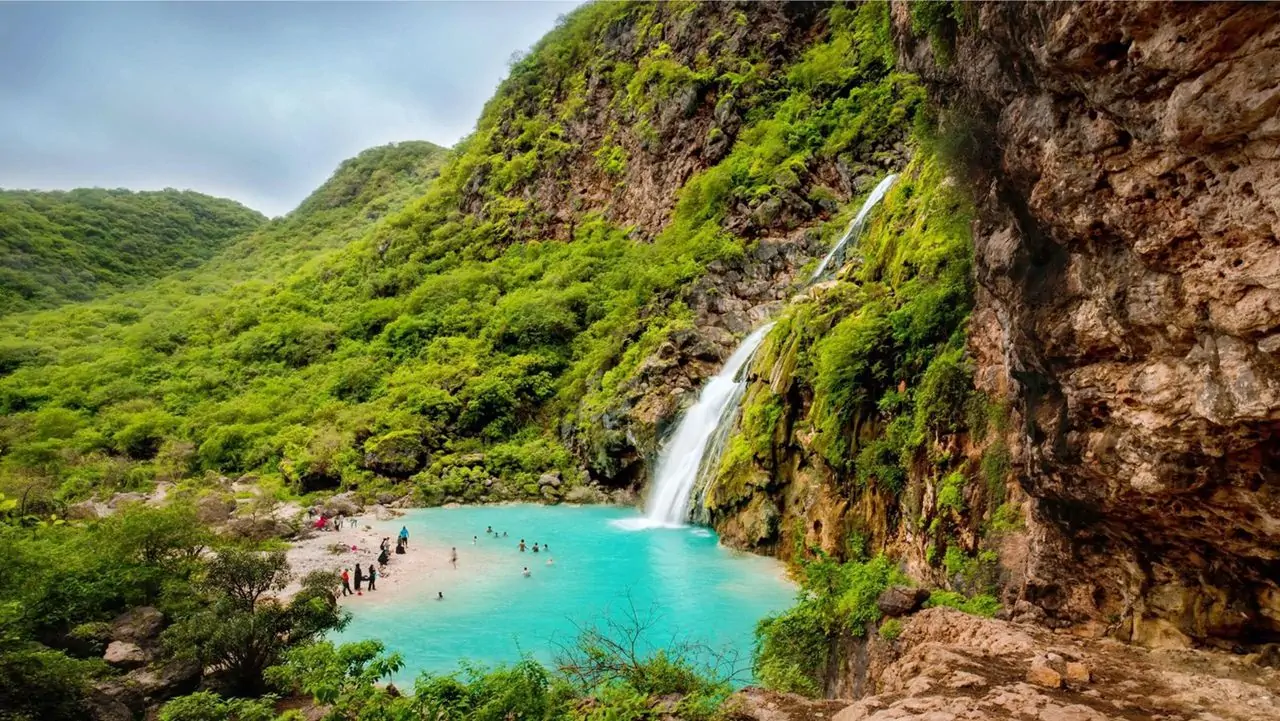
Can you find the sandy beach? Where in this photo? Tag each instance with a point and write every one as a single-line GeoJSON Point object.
{"type": "Point", "coordinates": [422, 570]}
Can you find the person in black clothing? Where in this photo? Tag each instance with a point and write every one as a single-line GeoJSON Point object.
{"type": "Point", "coordinates": [359, 576]}
{"type": "Point", "coordinates": [383, 558]}
{"type": "Point", "coordinates": [373, 576]}
{"type": "Point", "coordinates": [400, 547]}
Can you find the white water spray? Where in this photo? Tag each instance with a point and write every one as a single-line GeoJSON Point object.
{"type": "Point", "coordinates": [855, 226]}
{"type": "Point", "coordinates": [683, 458]}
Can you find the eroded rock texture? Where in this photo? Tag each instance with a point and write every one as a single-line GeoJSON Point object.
{"type": "Point", "coordinates": [948, 665]}
{"type": "Point", "coordinates": [1126, 161]}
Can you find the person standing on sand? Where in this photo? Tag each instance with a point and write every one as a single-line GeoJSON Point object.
{"type": "Point", "coordinates": [359, 577]}
{"type": "Point", "coordinates": [373, 576]}
{"type": "Point", "coordinates": [383, 558]}
{"type": "Point", "coordinates": [404, 536]}
{"type": "Point", "coordinates": [346, 583]}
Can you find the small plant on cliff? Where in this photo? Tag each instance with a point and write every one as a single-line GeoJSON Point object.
{"type": "Point", "coordinates": [891, 629]}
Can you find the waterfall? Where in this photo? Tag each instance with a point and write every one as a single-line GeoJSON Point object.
{"type": "Point", "coordinates": [684, 458]}
{"type": "Point", "coordinates": [855, 226]}
{"type": "Point", "coordinates": [693, 451]}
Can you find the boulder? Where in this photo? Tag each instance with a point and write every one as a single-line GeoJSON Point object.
{"type": "Point", "coordinates": [550, 479]}
{"type": "Point", "coordinates": [83, 511]}
{"type": "Point", "coordinates": [125, 499]}
{"type": "Point", "coordinates": [138, 625]}
{"type": "Point", "coordinates": [1042, 674]}
{"type": "Point", "coordinates": [1078, 672]}
{"type": "Point", "coordinates": [111, 701]}
{"type": "Point", "coordinates": [165, 680]}
{"type": "Point", "coordinates": [342, 504]}
{"type": "Point", "coordinates": [125, 654]}
{"type": "Point", "coordinates": [897, 601]}
{"type": "Point", "coordinates": [214, 509]}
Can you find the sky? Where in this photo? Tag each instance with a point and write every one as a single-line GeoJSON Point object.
{"type": "Point", "coordinates": [254, 101]}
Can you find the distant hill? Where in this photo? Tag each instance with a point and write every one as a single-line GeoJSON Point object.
{"type": "Point", "coordinates": [62, 246]}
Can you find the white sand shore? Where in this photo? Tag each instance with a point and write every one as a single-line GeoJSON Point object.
{"type": "Point", "coordinates": [422, 570]}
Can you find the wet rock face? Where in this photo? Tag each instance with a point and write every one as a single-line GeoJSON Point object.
{"type": "Point", "coordinates": [1127, 169]}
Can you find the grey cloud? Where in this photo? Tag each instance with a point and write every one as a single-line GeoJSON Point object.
{"type": "Point", "coordinates": [255, 101]}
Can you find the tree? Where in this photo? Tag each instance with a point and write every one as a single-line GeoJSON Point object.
{"type": "Point", "coordinates": [241, 629]}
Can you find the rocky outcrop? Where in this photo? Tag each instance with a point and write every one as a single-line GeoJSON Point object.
{"type": "Point", "coordinates": [1126, 160]}
{"type": "Point", "coordinates": [948, 665]}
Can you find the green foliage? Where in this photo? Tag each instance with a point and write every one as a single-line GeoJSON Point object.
{"type": "Point", "coordinates": [983, 604]}
{"type": "Point", "coordinates": [241, 630]}
{"type": "Point", "coordinates": [891, 372]}
{"type": "Point", "coordinates": [951, 492]}
{"type": "Point", "coordinates": [58, 247]}
{"type": "Point", "coordinates": [835, 600]}
{"type": "Point", "coordinates": [996, 465]}
{"type": "Point", "coordinates": [939, 19]}
{"type": "Point", "coordinates": [890, 629]}
{"type": "Point", "coordinates": [1005, 519]}
{"type": "Point", "coordinates": [209, 706]}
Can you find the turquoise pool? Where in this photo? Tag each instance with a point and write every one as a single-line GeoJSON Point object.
{"type": "Point", "coordinates": [691, 586]}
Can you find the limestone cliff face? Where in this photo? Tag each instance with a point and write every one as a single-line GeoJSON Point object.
{"type": "Point", "coordinates": [1126, 165]}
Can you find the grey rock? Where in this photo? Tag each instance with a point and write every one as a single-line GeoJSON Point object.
{"type": "Point", "coordinates": [125, 654]}
{"type": "Point", "coordinates": [138, 625]}
{"type": "Point", "coordinates": [901, 600]}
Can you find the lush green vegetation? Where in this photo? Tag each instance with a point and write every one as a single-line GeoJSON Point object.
{"type": "Point", "coordinates": [58, 247]}
{"type": "Point", "coordinates": [443, 342]}
{"type": "Point", "coordinates": [62, 583]}
{"type": "Point", "coordinates": [441, 326]}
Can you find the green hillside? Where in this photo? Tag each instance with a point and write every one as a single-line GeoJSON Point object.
{"type": "Point", "coordinates": [473, 334]}
{"type": "Point", "coordinates": [59, 247]}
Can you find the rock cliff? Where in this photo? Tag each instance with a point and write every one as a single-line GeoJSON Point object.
{"type": "Point", "coordinates": [1117, 469]}
{"type": "Point", "coordinates": [1125, 165]}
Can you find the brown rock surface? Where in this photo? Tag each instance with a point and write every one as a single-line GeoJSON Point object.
{"type": "Point", "coordinates": [951, 665]}
{"type": "Point", "coordinates": [1126, 161]}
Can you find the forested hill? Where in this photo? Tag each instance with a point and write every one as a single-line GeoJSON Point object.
{"type": "Point", "coordinates": [475, 339]}
{"type": "Point", "coordinates": [57, 247]}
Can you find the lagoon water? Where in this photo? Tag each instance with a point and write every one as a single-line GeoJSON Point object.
{"type": "Point", "coordinates": [692, 587]}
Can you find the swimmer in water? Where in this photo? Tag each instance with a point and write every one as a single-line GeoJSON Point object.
{"type": "Point", "coordinates": [453, 557]}
{"type": "Point", "coordinates": [473, 540]}
{"type": "Point", "coordinates": [522, 545]}
{"type": "Point", "coordinates": [526, 573]}
{"type": "Point", "coordinates": [550, 561]}
{"type": "Point", "coordinates": [489, 529]}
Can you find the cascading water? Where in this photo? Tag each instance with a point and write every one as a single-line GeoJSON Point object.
{"type": "Point", "coordinates": [855, 226]}
{"type": "Point", "coordinates": [694, 448]}
{"type": "Point", "coordinates": [685, 455]}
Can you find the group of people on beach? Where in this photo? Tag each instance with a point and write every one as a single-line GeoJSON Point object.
{"type": "Point", "coordinates": [367, 580]}
{"type": "Point", "coordinates": [362, 577]}
{"type": "Point", "coordinates": [325, 523]}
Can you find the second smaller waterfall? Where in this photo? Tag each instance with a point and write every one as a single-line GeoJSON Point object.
{"type": "Point", "coordinates": [855, 226]}
{"type": "Point", "coordinates": [683, 456]}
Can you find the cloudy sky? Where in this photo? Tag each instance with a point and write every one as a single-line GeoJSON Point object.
{"type": "Point", "coordinates": [253, 101]}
